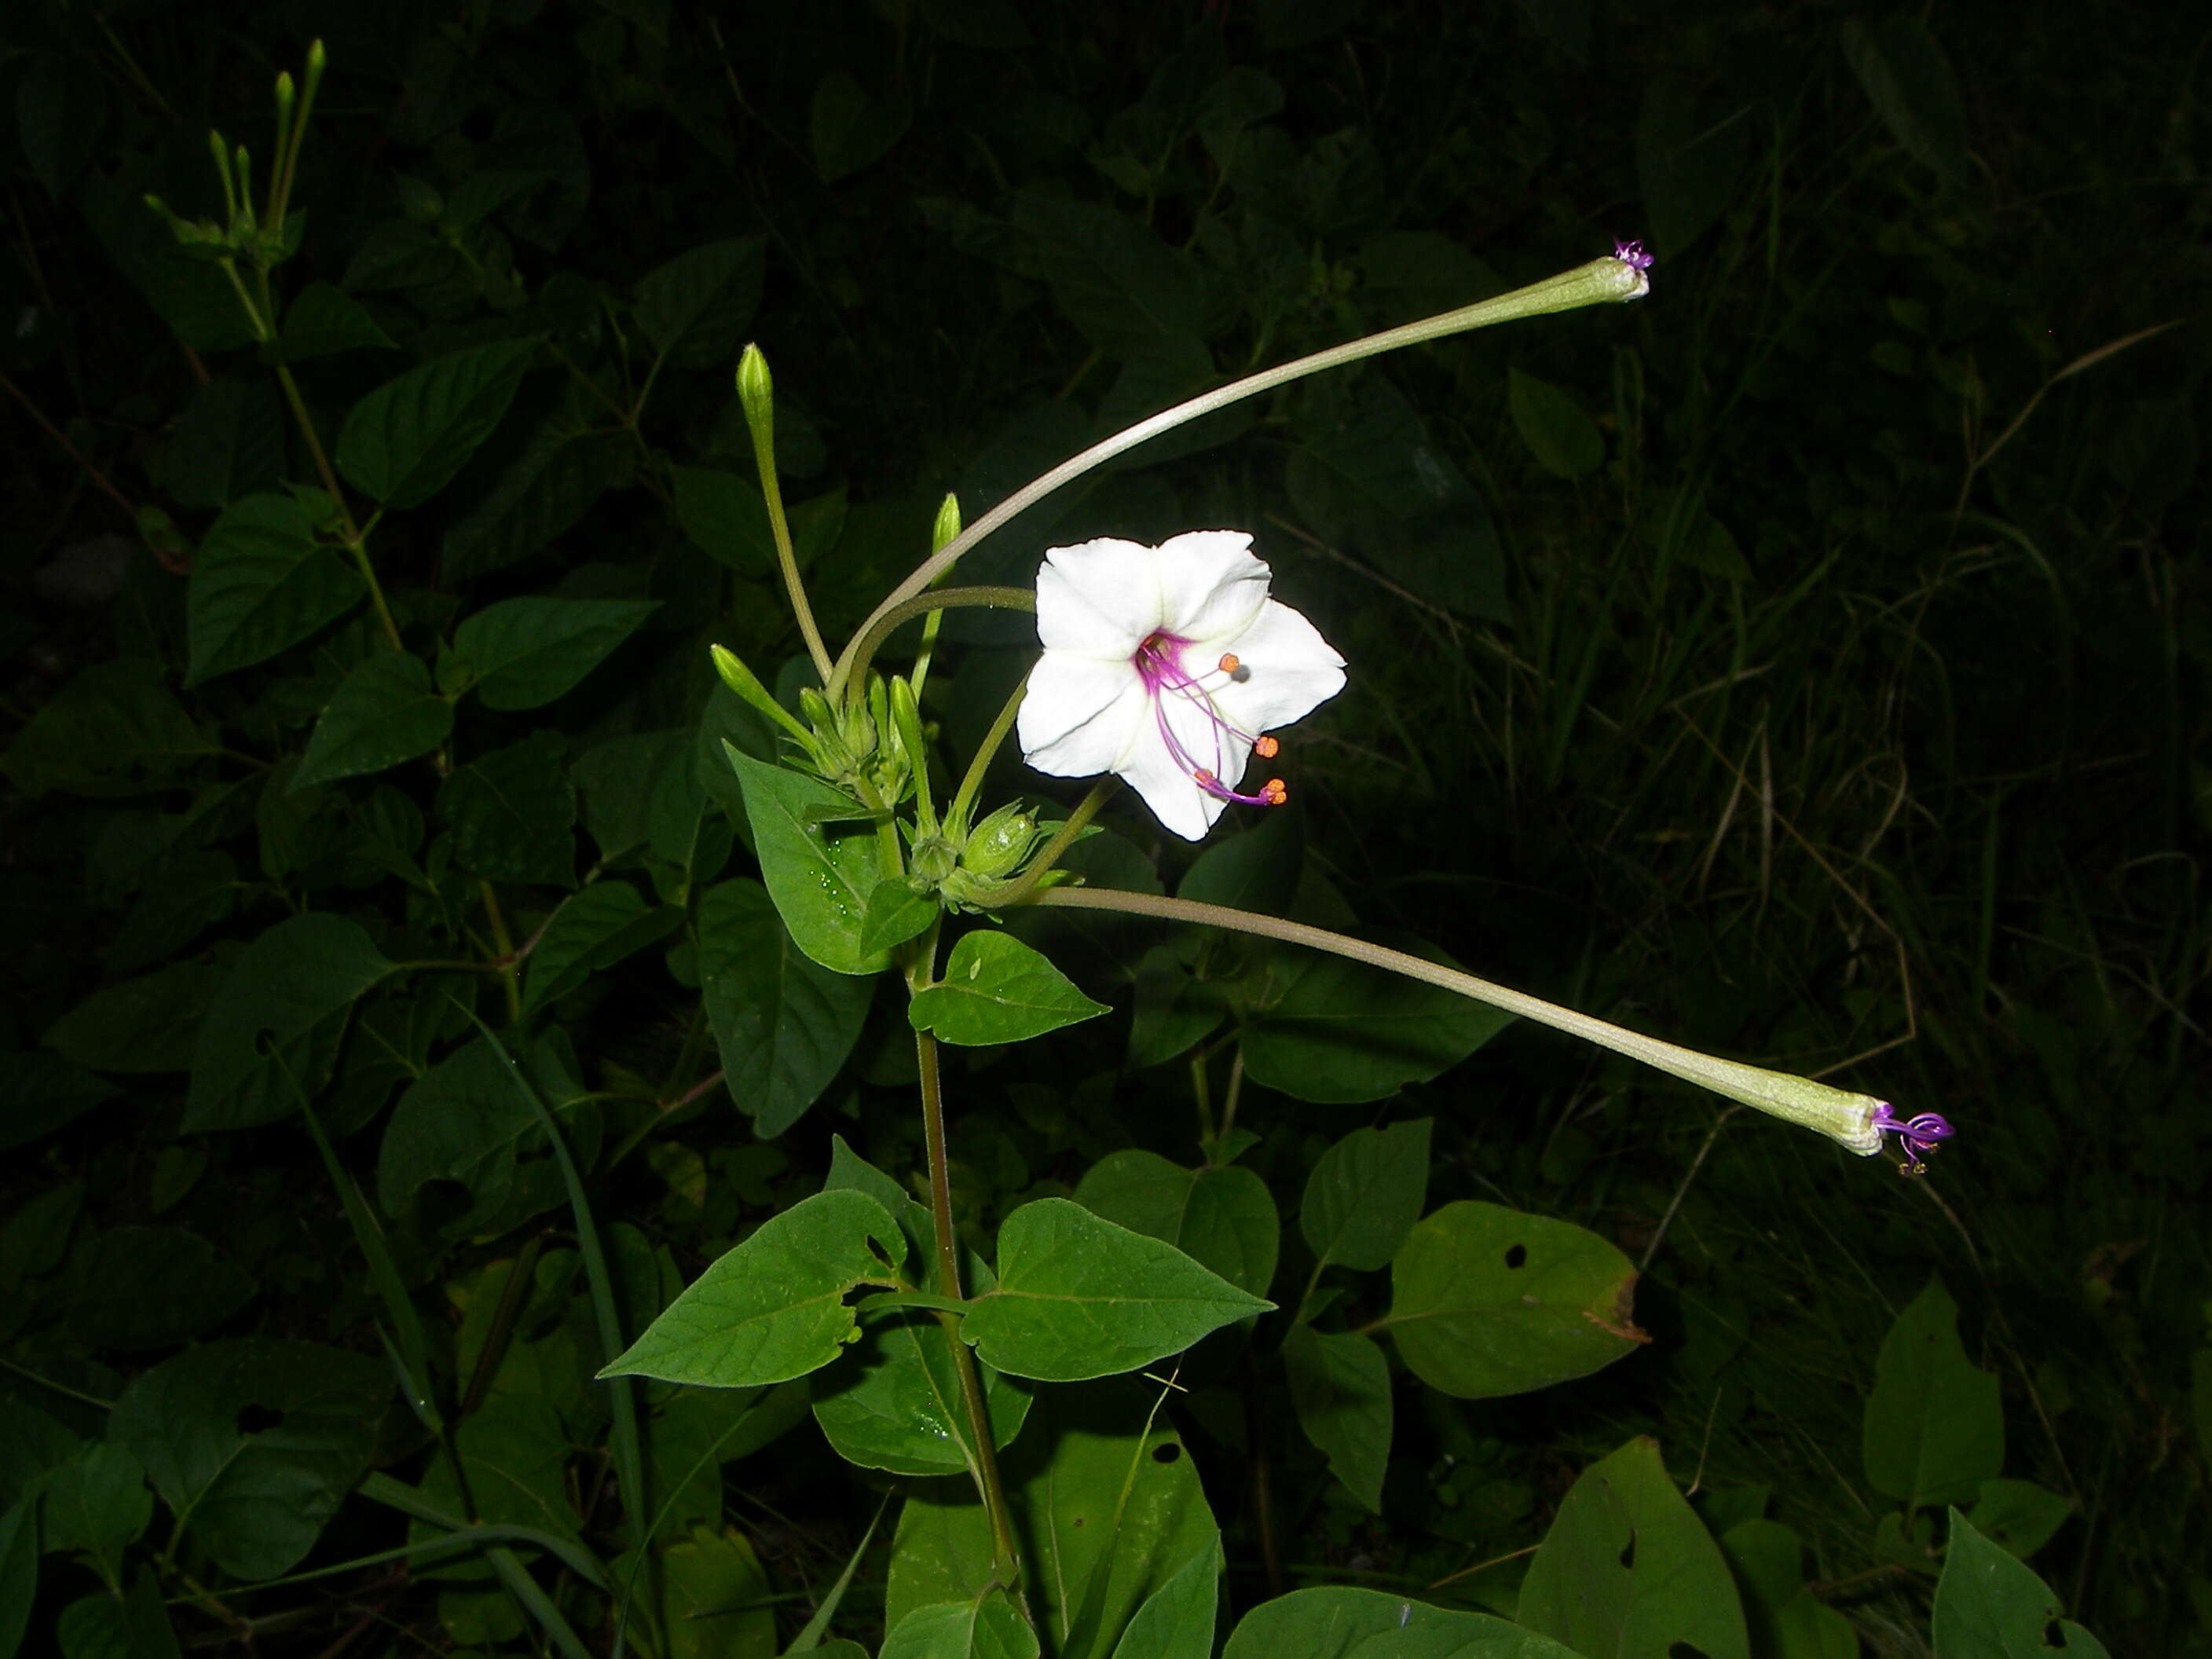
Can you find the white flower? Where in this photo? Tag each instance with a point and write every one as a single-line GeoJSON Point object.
{"type": "Point", "coordinates": [1167, 665]}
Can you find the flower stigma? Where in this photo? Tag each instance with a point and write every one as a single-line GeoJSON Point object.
{"type": "Point", "coordinates": [1918, 1136]}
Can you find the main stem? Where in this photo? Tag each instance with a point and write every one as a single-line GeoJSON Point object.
{"type": "Point", "coordinates": [987, 1481]}
{"type": "Point", "coordinates": [1845, 1118]}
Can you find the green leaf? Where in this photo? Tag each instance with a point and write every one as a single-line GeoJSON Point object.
{"type": "Point", "coordinates": [1365, 1193]}
{"type": "Point", "coordinates": [1342, 1032]}
{"type": "Point", "coordinates": [1990, 1606]}
{"type": "Point", "coordinates": [727, 518]}
{"type": "Point", "coordinates": [97, 1505]}
{"type": "Point", "coordinates": [1106, 1508]}
{"type": "Point", "coordinates": [1934, 1426]}
{"type": "Point", "coordinates": [465, 1122]}
{"type": "Point", "coordinates": [848, 128]}
{"type": "Point", "coordinates": [404, 442]}
{"type": "Point", "coordinates": [1566, 441]}
{"type": "Point", "coordinates": [1080, 1298]}
{"type": "Point", "coordinates": [606, 923]}
{"type": "Point", "coordinates": [619, 781]}
{"type": "Point", "coordinates": [272, 1031]}
{"type": "Point", "coordinates": [228, 443]}
{"type": "Point", "coordinates": [513, 813]}
{"type": "Point", "coordinates": [2018, 1516]}
{"type": "Point", "coordinates": [1627, 1569]}
{"type": "Point", "coordinates": [1255, 869]}
{"type": "Point", "coordinates": [695, 308]}
{"type": "Point", "coordinates": [1690, 155]}
{"type": "Point", "coordinates": [261, 582]}
{"type": "Point", "coordinates": [561, 472]}
{"type": "Point", "coordinates": [1224, 1219]}
{"type": "Point", "coordinates": [997, 989]}
{"type": "Point", "coordinates": [1176, 1620]}
{"type": "Point", "coordinates": [896, 914]}
{"type": "Point", "coordinates": [147, 1287]}
{"type": "Point", "coordinates": [896, 1403]}
{"type": "Point", "coordinates": [115, 729]}
{"type": "Point", "coordinates": [382, 713]}
{"type": "Point", "coordinates": [19, 1573]}
{"type": "Point", "coordinates": [819, 872]}
{"type": "Point", "coordinates": [1485, 1301]}
{"type": "Point", "coordinates": [1341, 1622]}
{"type": "Point", "coordinates": [135, 1626]}
{"type": "Point", "coordinates": [257, 1500]}
{"type": "Point", "coordinates": [1912, 88]}
{"type": "Point", "coordinates": [323, 320]}
{"type": "Point", "coordinates": [1340, 1386]}
{"type": "Point", "coordinates": [718, 1601]}
{"type": "Point", "coordinates": [698, 1431]}
{"type": "Point", "coordinates": [42, 1093]}
{"type": "Point", "coordinates": [1784, 1617]}
{"type": "Point", "coordinates": [521, 653]}
{"type": "Point", "coordinates": [774, 1307]}
{"type": "Point", "coordinates": [145, 1024]}
{"type": "Point", "coordinates": [970, 1629]}
{"type": "Point", "coordinates": [849, 1170]}
{"type": "Point", "coordinates": [784, 1024]}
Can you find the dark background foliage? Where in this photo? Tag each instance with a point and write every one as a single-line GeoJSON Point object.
{"type": "Point", "coordinates": [1805, 663]}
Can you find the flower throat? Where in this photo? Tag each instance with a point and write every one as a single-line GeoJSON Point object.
{"type": "Point", "coordinates": [1159, 662]}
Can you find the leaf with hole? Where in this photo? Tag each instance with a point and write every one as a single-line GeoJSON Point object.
{"type": "Point", "coordinates": [777, 1305]}
{"type": "Point", "coordinates": [1486, 1301]}
{"type": "Point", "coordinates": [1627, 1568]}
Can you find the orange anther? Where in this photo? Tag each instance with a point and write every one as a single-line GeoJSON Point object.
{"type": "Point", "coordinates": [1229, 663]}
{"type": "Point", "coordinates": [1274, 792]}
{"type": "Point", "coordinates": [1265, 747]}
{"type": "Point", "coordinates": [1203, 776]}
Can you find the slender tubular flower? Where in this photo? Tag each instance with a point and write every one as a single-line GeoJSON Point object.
{"type": "Point", "coordinates": [1167, 665]}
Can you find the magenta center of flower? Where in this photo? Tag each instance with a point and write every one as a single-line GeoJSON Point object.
{"type": "Point", "coordinates": [1160, 664]}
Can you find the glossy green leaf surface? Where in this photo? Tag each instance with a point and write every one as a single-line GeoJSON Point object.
{"type": "Point", "coordinates": [1340, 1386]}
{"type": "Point", "coordinates": [774, 1307]}
{"type": "Point", "coordinates": [521, 653]}
{"type": "Point", "coordinates": [1486, 1301]}
{"type": "Point", "coordinates": [996, 989]}
{"type": "Point", "coordinates": [383, 713]}
{"type": "Point", "coordinates": [985, 1629]}
{"type": "Point", "coordinates": [1365, 1193]}
{"type": "Point", "coordinates": [1341, 1032]}
{"type": "Point", "coordinates": [1107, 1511]}
{"type": "Point", "coordinates": [1934, 1426]}
{"type": "Point", "coordinates": [1338, 1621]}
{"type": "Point", "coordinates": [1224, 1219]}
{"type": "Point", "coordinates": [1628, 1569]}
{"type": "Point", "coordinates": [1080, 1298]}
{"type": "Point", "coordinates": [405, 441]}
{"type": "Point", "coordinates": [819, 866]}
{"type": "Point", "coordinates": [1990, 1605]}
{"type": "Point", "coordinates": [262, 581]}
{"type": "Point", "coordinates": [256, 1500]}
{"type": "Point", "coordinates": [784, 1023]}
{"type": "Point", "coordinates": [273, 1028]}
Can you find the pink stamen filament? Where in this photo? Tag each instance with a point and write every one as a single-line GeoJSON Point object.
{"type": "Point", "coordinates": [1158, 664]}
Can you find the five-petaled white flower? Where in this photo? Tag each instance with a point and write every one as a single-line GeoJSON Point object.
{"type": "Point", "coordinates": [1167, 665]}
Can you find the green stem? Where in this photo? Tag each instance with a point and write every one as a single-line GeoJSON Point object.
{"type": "Point", "coordinates": [989, 1485]}
{"type": "Point", "coordinates": [853, 668]}
{"type": "Point", "coordinates": [963, 799]}
{"type": "Point", "coordinates": [1598, 281]}
{"type": "Point", "coordinates": [1041, 865]}
{"type": "Point", "coordinates": [786, 558]}
{"type": "Point", "coordinates": [1845, 1118]}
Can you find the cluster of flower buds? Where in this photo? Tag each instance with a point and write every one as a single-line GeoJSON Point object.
{"type": "Point", "coordinates": [858, 747]}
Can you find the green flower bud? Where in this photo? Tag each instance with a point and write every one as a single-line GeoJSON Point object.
{"type": "Point", "coordinates": [933, 862]}
{"type": "Point", "coordinates": [999, 844]}
{"type": "Point", "coordinates": [757, 391]}
{"type": "Point", "coordinates": [947, 526]}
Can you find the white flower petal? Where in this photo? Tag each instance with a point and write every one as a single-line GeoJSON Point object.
{"type": "Point", "coordinates": [1173, 794]}
{"type": "Point", "coordinates": [1099, 597]}
{"type": "Point", "coordinates": [1289, 671]}
{"type": "Point", "coordinates": [1081, 714]}
{"type": "Point", "coordinates": [1211, 585]}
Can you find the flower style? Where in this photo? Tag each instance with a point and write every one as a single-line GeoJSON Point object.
{"type": "Point", "coordinates": [1918, 1136]}
{"type": "Point", "coordinates": [1167, 665]}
